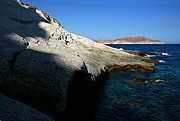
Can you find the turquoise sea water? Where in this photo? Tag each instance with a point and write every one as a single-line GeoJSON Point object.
{"type": "Point", "coordinates": [122, 100]}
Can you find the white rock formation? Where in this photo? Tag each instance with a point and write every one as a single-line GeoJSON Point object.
{"type": "Point", "coordinates": [38, 57]}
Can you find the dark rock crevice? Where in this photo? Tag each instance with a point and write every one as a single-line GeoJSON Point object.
{"type": "Point", "coordinates": [82, 96]}
{"type": "Point", "coordinates": [22, 21]}
{"type": "Point", "coordinates": [12, 62]}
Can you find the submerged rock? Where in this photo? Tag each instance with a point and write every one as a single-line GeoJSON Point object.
{"type": "Point", "coordinates": [148, 54]}
{"type": "Point", "coordinates": [151, 60]}
{"type": "Point", "coordinates": [142, 80]}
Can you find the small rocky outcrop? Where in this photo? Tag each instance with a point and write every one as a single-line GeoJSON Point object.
{"type": "Point", "coordinates": [50, 69]}
{"type": "Point", "coordinates": [129, 67]}
{"type": "Point", "coordinates": [142, 80]}
{"type": "Point", "coordinates": [28, 6]}
{"type": "Point", "coordinates": [49, 18]}
{"type": "Point", "coordinates": [131, 40]}
{"type": "Point", "coordinates": [145, 54]}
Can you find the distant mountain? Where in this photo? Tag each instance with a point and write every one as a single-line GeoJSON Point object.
{"type": "Point", "coordinates": [131, 40]}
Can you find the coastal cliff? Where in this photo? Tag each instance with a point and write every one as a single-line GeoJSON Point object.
{"type": "Point", "coordinates": [131, 40]}
{"type": "Point", "coordinates": [50, 69]}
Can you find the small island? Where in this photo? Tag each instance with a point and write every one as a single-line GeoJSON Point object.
{"type": "Point", "coordinates": [131, 40]}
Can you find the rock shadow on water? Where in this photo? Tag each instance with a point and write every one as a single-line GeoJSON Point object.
{"type": "Point", "coordinates": [82, 96]}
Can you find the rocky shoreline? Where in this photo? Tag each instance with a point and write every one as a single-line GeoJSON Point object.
{"type": "Point", "coordinates": [49, 71]}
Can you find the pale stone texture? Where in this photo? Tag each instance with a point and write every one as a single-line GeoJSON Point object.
{"type": "Point", "coordinates": [38, 57]}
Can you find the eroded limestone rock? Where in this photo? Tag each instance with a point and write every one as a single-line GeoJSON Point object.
{"type": "Point", "coordinates": [39, 60]}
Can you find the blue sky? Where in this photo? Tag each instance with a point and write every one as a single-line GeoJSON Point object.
{"type": "Point", "coordinates": [113, 19]}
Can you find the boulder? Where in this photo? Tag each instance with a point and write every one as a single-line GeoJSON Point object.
{"type": "Point", "coordinates": [12, 110]}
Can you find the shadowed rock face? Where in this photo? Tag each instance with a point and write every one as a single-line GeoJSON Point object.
{"type": "Point", "coordinates": [48, 68]}
{"type": "Point", "coordinates": [11, 110]}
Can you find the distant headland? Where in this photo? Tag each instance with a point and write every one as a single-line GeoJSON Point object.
{"type": "Point", "coordinates": [131, 40]}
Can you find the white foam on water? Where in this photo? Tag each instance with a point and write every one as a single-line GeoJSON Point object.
{"type": "Point", "coordinates": [159, 80]}
{"type": "Point", "coordinates": [121, 49]}
{"type": "Point", "coordinates": [149, 56]}
{"type": "Point", "coordinates": [165, 54]}
{"type": "Point", "coordinates": [161, 61]}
